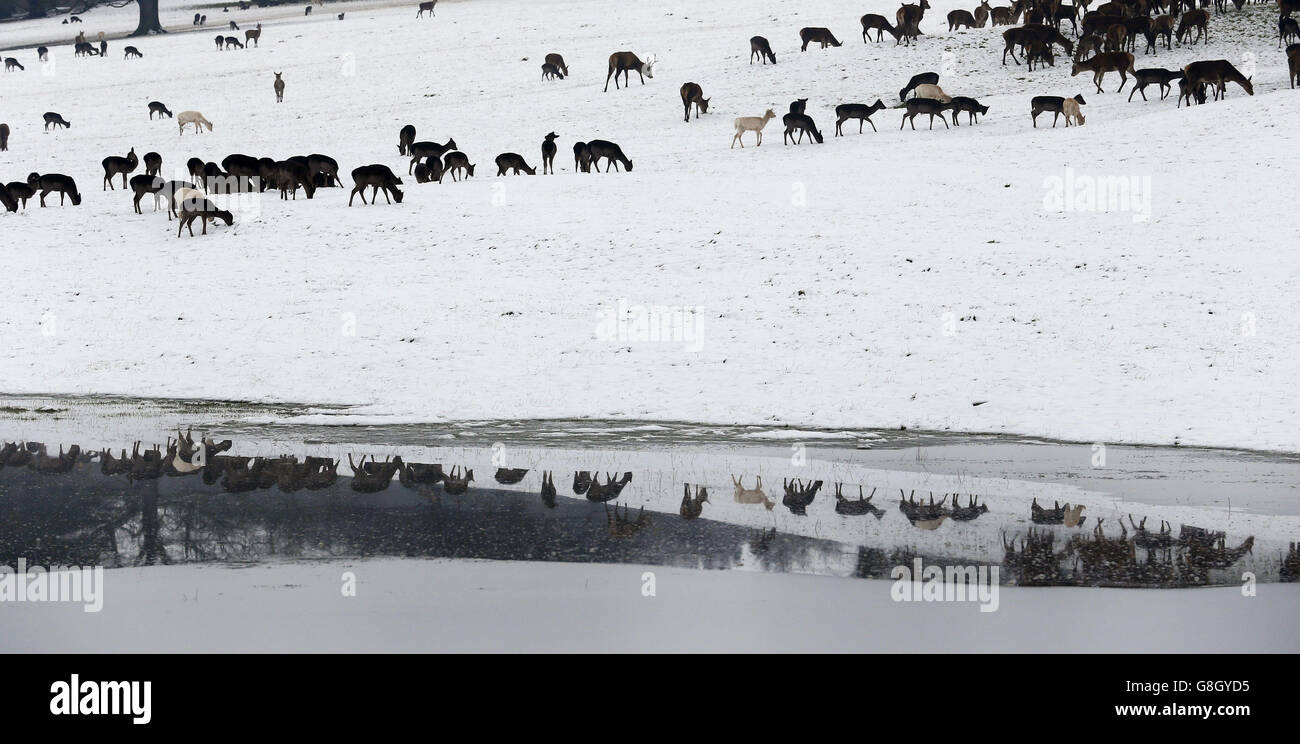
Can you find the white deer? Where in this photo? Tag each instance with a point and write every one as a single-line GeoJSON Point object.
{"type": "Point", "coordinates": [753, 124]}
{"type": "Point", "coordinates": [195, 118]}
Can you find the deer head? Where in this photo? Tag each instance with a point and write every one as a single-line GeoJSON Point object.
{"type": "Point", "coordinates": [650, 63]}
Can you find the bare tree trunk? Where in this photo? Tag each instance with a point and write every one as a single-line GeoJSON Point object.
{"type": "Point", "coordinates": [149, 23]}
{"type": "Point", "coordinates": [36, 9]}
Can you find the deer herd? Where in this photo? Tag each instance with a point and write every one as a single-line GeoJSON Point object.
{"type": "Point", "coordinates": [1105, 42]}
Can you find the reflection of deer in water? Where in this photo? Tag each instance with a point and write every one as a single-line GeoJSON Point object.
{"type": "Point", "coordinates": [763, 541]}
{"type": "Point", "coordinates": [1290, 570]}
{"type": "Point", "coordinates": [856, 508]}
{"type": "Point", "coordinates": [416, 474]}
{"type": "Point", "coordinates": [58, 465]}
{"type": "Point", "coordinates": [456, 485]}
{"type": "Point", "coordinates": [510, 476]}
{"type": "Point", "coordinates": [971, 511]}
{"type": "Point", "coordinates": [798, 496]}
{"type": "Point", "coordinates": [1035, 562]}
{"type": "Point", "coordinates": [620, 525]}
{"type": "Point", "coordinates": [693, 507]}
{"type": "Point", "coordinates": [581, 482]}
{"type": "Point", "coordinates": [1153, 542]}
{"type": "Point", "coordinates": [548, 489]}
{"type": "Point", "coordinates": [921, 515]}
{"type": "Point", "coordinates": [374, 476]}
{"type": "Point", "coordinates": [610, 490]}
{"type": "Point", "coordinates": [753, 495]}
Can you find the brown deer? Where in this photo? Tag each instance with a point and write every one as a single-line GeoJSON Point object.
{"type": "Point", "coordinates": [759, 47]}
{"type": "Point", "coordinates": [692, 93]}
{"type": "Point", "coordinates": [54, 120]}
{"type": "Point", "coordinates": [1217, 72]}
{"type": "Point", "coordinates": [818, 35]}
{"type": "Point", "coordinates": [377, 177]}
{"type": "Point", "coordinates": [1099, 65]}
{"type": "Point", "coordinates": [609, 491]}
{"type": "Point", "coordinates": [859, 111]}
{"type": "Point", "coordinates": [803, 124]}
{"type": "Point", "coordinates": [512, 161]}
{"type": "Point", "coordinates": [753, 495]}
{"type": "Point", "coordinates": [252, 35]}
{"type": "Point", "coordinates": [879, 24]}
{"type": "Point", "coordinates": [623, 62]}
{"type": "Point", "coordinates": [925, 106]}
{"type": "Point", "coordinates": [558, 61]}
{"type": "Point", "coordinates": [279, 88]}
{"type": "Point", "coordinates": [548, 153]}
{"type": "Point", "coordinates": [612, 153]}
{"type": "Point", "coordinates": [426, 7]}
{"type": "Point", "coordinates": [959, 18]}
{"type": "Point", "coordinates": [114, 165]}
{"type": "Point", "coordinates": [1287, 28]}
{"type": "Point", "coordinates": [623, 525]}
{"type": "Point", "coordinates": [203, 209]}
{"type": "Point", "coordinates": [911, 15]}
{"type": "Point", "coordinates": [692, 508]}
{"type": "Point", "coordinates": [856, 508]}
{"type": "Point", "coordinates": [376, 476]}
{"type": "Point", "coordinates": [1194, 19]}
{"type": "Point", "coordinates": [1292, 60]}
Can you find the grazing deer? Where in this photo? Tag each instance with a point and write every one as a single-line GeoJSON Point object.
{"type": "Point", "coordinates": [113, 165]}
{"type": "Point", "coordinates": [455, 162]}
{"type": "Point", "coordinates": [405, 138]}
{"type": "Point", "coordinates": [581, 482]}
{"type": "Point", "coordinates": [157, 107]}
{"type": "Point", "coordinates": [195, 118]}
{"type": "Point", "coordinates": [233, 43]}
{"type": "Point", "coordinates": [323, 169]}
{"type": "Point", "coordinates": [971, 106]}
{"type": "Point", "coordinates": [799, 496]}
{"type": "Point", "coordinates": [54, 120]}
{"type": "Point", "coordinates": [612, 153]}
{"type": "Point", "coordinates": [623, 62]}
{"type": "Point", "coordinates": [971, 511]}
{"type": "Point", "coordinates": [279, 88]}
{"type": "Point", "coordinates": [1089, 44]}
{"type": "Point", "coordinates": [753, 124]}
{"type": "Point", "coordinates": [548, 153]}
{"type": "Point", "coordinates": [1217, 72]}
{"type": "Point", "coordinates": [760, 48]}
{"type": "Point", "coordinates": [509, 476]}
{"type": "Point", "coordinates": [292, 173]}
{"type": "Point", "coordinates": [621, 525]}
{"type": "Point", "coordinates": [817, 35]}
{"type": "Point", "coordinates": [879, 24]}
{"type": "Point", "coordinates": [1116, 38]}
{"type": "Point", "coordinates": [581, 157]}
{"type": "Point", "coordinates": [924, 78]}
{"type": "Point", "coordinates": [608, 492]}
{"type": "Point", "coordinates": [548, 489]}
{"type": "Point", "coordinates": [558, 61]}
{"type": "Point", "coordinates": [307, 11]}
{"type": "Point", "coordinates": [234, 26]}
{"type": "Point", "coordinates": [377, 177]}
{"type": "Point", "coordinates": [551, 72]}
{"type": "Point", "coordinates": [692, 93]}
{"type": "Point", "coordinates": [856, 508]}
{"type": "Point", "coordinates": [692, 508]}
{"type": "Point", "coordinates": [205, 210]}
{"type": "Point", "coordinates": [933, 92]}
{"type": "Point", "coordinates": [921, 515]}
{"type": "Point", "coordinates": [1037, 51]}
{"type": "Point", "coordinates": [929, 106]}
{"type": "Point", "coordinates": [859, 111]}
{"type": "Point", "coordinates": [221, 42]}
{"type": "Point", "coordinates": [42, 53]}
{"type": "Point", "coordinates": [11, 63]}
{"type": "Point", "coordinates": [132, 52]}
{"type": "Point", "coordinates": [513, 161]}
{"type": "Point", "coordinates": [45, 183]}
{"type": "Point", "coordinates": [1154, 76]}
{"type": "Point", "coordinates": [803, 123]}
{"type": "Point", "coordinates": [1193, 19]}
{"type": "Point", "coordinates": [753, 495]}
{"type": "Point", "coordinates": [426, 8]}
{"type": "Point", "coordinates": [426, 149]}
{"type": "Point", "coordinates": [10, 199]}
{"type": "Point", "coordinates": [959, 18]}
{"type": "Point", "coordinates": [376, 476]}
{"type": "Point", "coordinates": [4, 137]}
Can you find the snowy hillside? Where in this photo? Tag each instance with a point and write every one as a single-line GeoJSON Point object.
{"type": "Point", "coordinates": [919, 278]}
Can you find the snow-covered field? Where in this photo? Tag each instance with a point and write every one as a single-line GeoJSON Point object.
{"type": "Point", "coordinates": [884, 279]}
{"type": "Point", "coordinates": [416, 606]}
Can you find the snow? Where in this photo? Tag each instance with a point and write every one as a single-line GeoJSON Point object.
{"type": "Point", "coordinates": [876, 280]}
{"type": "Point", "coordinates": [460, 606]}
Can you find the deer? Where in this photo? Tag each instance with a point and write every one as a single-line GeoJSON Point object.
{"type": "Point", "coordinates": [373, 478]}
{"type": "Point", "coordinates": [548, 153]}
{"type": "Point", "coordinates": [799, 496]}
{"type": "Point", "coordinates": [1193, 19]}
{"type": "Point", "coordinates": [1116, 38]}
{"type": "Point", "coordinates": [923, 78]}
{"type": "Point", "coordinates": [454, 163]}
{"type": "Point", "coordinates": [426, 7]}
{"type": "Point", "coordinates": [292, 173]}
{"type": "Point", "coordinates": [910, 15]}
{"type": "Point", "coordinates": [205, 210]}
{"type": "Point", "coordinates": [1292, 60]}
{"type": "Point", "coordinates": [859, 111]}
{"type": "Point", "coordinates": [114, 165]}
{"type": "Point", "coordinates": [20, 191]}
{"type": "Point", "coordinates": [413, 475]}
{"type": "Point", "coordinates": [919, 514]}
{"type": "Point", "coordinates": [581, 157]}
{"type": "Point", "coordinates": [753, 124]}
{"type": "Point", "coordinates": [557, 60]}
{"type": "Point", "coordinates": [879, 24]}
{"type": "Point", "coordinates": [929, 106]}
{"type": "Point", "coordinates": [1088, 44]}
{"type": "Point", "coordinates": [1037, 51]}
{"type": "Point", "coordinates": [158, 107]}
{"type": "Point", "coordinates": [959, 18]}
{"type": "Point", "coordinates": [233, 43]}
{"type": "Point", "coordinates": [933, 92]}
{"type": "Point", "coordinates": [377, 177]}
{"type": "Point", "coordinates": [11, 63]}
{"type": "Point", "coordinates": [9, 202]}
{"type": "Point", "coordinates": [405, 138]}
{"type": "Point", "coordinates": [195, 118]}
{"type": "Point", "coordinates": [760, 47]}
{"type": "Point", "coordinates": [509, 476]}
{"type": "Point", "coordinates": [1154, 76]}
{"type": "Point", "coordinates": [551, 72]}
{"type": "Point", "coordinates": [548, 489]}
{"type": "Point", "coordinates": [692, 508]}
{"type": "Point", "coordinates": [692, 93]}
{"type": "Point", "coordinates": [1099, 65]}
{"type": "Point", "coordinates": [307, 11]}
{"type": "Point", "coordinates": [971, 511]}
{"type": "Point", "coordinates": [131, 52]}
{"type": "Point", "coordinates": [581, 482]}
{"type": "Point", "coordinates": [42, 54]}
{"type": "Point", "coordinates": [856, 508]}
{"type": "Point", "coordinates": [513, 161]}
{"type": "Point", "coordinates": [59, 465]}
{"type": "Point", "coordinates": [817, 35]}
{"type": "Point", "coordinates": [971, 106]}
{"type": "Point", "coordinates": [54, 120]}
{"type": "Point", "coordinates": [1055, 104]}
{"type": "Point", "coordinates": [753, 495]}
{"type": "Point", "coordinates": [1160, 27]}
{"type": "Point", "coordinates": [1287, 28]}
{"type": "Point", "coordinates": [221, 42]}
{"type": "Point", "coordinates": [252, 35]}
{"type": "Point", "coordinates": [1218, 72]}
{"type": "Point", "coordinates": [426, 149]}
{"type": "Point", "coordinates": [612, 153]}
{"type": "Point", "coordinates": [803, 123]}
{"type": "Point", "coordinates": [278, 85]}
{"type": "Point", "coordinates": [47, 182]}
{"type": "Point", "coordinates": [1073, 516]}
{"type": "Point", "coordinates": [608, 492]}
{"type": "Point", "coordinates": [623, 62]}
{"type": "Point", "coordinates": [623, 525]}
{"type": "Point", "coordinates": [324, 170]}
